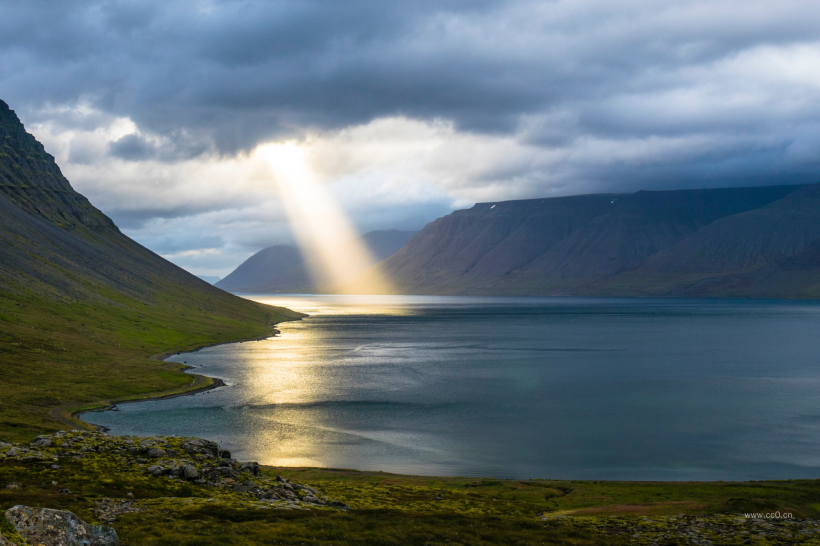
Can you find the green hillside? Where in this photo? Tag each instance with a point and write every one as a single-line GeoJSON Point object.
{"type": "Point", "coordinates": [83, 307]}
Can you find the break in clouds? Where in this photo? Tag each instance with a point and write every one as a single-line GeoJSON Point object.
{"type": "Point", "coordinates": [405, 109]}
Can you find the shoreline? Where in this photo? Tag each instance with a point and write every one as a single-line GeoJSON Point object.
{"type": "Point", "coordinates": [215, 384]}
{"type": "Point", "coordinates": [70, 414]}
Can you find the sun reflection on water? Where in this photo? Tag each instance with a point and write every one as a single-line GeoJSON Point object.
{"type": "Point", "coordinates": [294, 381]}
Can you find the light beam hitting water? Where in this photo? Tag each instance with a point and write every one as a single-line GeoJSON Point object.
{"type": "Point", "coordinates": [335, 254]}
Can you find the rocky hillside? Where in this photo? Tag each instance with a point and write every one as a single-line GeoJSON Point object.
{"type": "Point", "coordinates": [31, 179]}
{"type": "Point", "coordinates": [92, 489]}
{"type": "Point", "coordinates": [82, 306]}
{"type": "Point", "coordinates": [723, 242]}
{"type": "Point", "coordinates": [136, 463]}
{"type": "Point", "coordinates": [285, 269]}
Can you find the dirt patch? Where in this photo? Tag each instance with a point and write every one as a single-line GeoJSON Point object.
{"type": "Point", "coordinates": [670, 507]}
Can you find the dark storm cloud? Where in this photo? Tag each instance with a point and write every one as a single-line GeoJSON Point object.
{"type": "Point", "coordinates": [225, 75]}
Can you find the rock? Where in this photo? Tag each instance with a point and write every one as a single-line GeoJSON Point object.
{"type": "Point", "coordinates": [13, 485]}
{"type": "Point", "coordinates": [244, 487]}
{"type": "Point", "coordinates": [41, 441]}
{"type": "Point", "coordinates": [65, 491]}
{"type": "Point", "coordinates": [109, 509]}
{"type": "Point", "coordinates": [58, 528]}
{"type": "Point", "coordinates": [13, 452]}
{"type": "Point", "coordinates": [156, 453]}
{"type": "Point", "coordinates": [253, 468]}
{"type": "Point", "coordinates": [189, 472]}
{"type": "Point", "coordinates": [201, 447]}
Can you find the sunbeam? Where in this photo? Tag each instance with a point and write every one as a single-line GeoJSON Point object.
{"type": "Point", "coordinates": [336, 255]}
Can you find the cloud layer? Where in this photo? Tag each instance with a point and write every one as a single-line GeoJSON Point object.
{"type": "Point", "coordinates": [407, 108]}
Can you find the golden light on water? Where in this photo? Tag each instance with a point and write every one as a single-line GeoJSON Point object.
{"type": "Point", "coordinates": [292, 384]}
{"type": "Point", "coordinates": [336, 255]}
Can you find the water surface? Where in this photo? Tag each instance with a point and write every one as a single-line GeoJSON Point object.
{"type": "Point", "coordinates": [515, 387]}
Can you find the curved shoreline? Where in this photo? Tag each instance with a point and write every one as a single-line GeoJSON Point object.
{"type": "Point", "coordinates": [215, 384]}
{"type": "Point", "coordinates": [68, 415]}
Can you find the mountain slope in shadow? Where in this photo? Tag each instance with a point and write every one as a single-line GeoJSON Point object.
{"type": "Point", "coordinates": [82, 306]}
{"type": "Point", "coordinates": [716, 242]}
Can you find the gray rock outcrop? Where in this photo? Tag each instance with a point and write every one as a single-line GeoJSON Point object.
{"type": "Point", "coordinates": [47, 527]}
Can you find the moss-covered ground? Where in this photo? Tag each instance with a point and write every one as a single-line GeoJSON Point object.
{"type": "Point", "coordinates": [58, 356]}
{"type": "Point", "coordinates": [90, 473]}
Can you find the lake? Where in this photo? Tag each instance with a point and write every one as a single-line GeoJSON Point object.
{"type": "Point", "coordinates": [580, 388]}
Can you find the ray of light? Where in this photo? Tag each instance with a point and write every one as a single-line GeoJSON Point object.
{"type": "Point", "coordinates": [336, 255]}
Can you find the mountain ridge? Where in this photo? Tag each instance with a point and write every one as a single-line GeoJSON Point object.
{"type": "Point", "coordinates": [83, 307]}
{"type": "Point", "coordinates": [608, 245]}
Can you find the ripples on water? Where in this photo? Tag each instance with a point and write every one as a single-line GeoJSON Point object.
{"type": "Point", "coordinates": [515, 387]}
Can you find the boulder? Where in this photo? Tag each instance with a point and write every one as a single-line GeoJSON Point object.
{"type": "Point", "coordinates": [156, 453]}
{"type": "Point", "coordinates": [201, 447]}
{"type": "Point", "coordinates": [253, 468]}
{"type": "Point", "coordinates": [41, 441]}
{"type": "Point", "coordinates": [189, 472]}
{"type": "Point", "coordinates": [245, 487]}
{"type": "Point", "coordinates": [48, 527]}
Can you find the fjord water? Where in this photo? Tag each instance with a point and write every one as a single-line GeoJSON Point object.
{"type": "Point", "coordinates": [515, 387]}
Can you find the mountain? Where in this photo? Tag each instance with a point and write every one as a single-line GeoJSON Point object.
{"type": "Point", "coordinates": [285, 269]}
{"type": "Point", "coordinates": [734, 242]}
{"type": "Point", "coordinates": [279, 268]}
{"type": "Point", "coordinates": [82, 306]}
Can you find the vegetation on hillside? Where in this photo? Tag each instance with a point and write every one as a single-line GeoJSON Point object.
{"type": "Point", "coordinates": [83, 307]}
{"type": "Point", "coordinates": [114, 480]}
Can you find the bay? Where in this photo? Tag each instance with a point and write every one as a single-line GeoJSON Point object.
{"type": "Point", "coordinates": [576, 388]}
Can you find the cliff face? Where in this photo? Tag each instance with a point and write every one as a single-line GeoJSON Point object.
{"type": "Point", "coordinates": [690, 242]}
{"type": "Point", "coordinates": [31, 179]}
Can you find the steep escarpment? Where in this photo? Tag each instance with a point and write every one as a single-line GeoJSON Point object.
{"type": "Point", "coordinates": [31, 179]}
{"type": "Point", "coordinates": [82, 306]}
{"type": "Point", "coordinates": [732, 241]}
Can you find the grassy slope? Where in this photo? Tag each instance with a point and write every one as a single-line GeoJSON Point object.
{"type": "Point", "coordinates": [53, 353]}
{"type": "Point", "coordinates": [82, 306]}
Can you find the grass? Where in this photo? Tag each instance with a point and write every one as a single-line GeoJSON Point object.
{"type": "Point", "coordinates": [57, 354]}
{"type": "Point", "coordinates": [392, 509]}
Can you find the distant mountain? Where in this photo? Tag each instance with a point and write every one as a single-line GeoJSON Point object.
{"type": "Point", "coordinates": [279, 268]}
{"type": "Point", "coordinates": [284, 268]}
{"type": "Point", "coordinates": [210, 279]}
{"type": "Point", "coordinates": [734, 242]}
{"type": "Point", "coordinates": [82, 306]}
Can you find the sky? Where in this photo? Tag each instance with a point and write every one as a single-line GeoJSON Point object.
{"type": "Point", "coordinates": [403, 110]}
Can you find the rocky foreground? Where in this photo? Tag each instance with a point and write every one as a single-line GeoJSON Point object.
{"type": "Point", "coordinates": [188, 461]}
{"type": "Point", "coordinates": [93, 489]}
